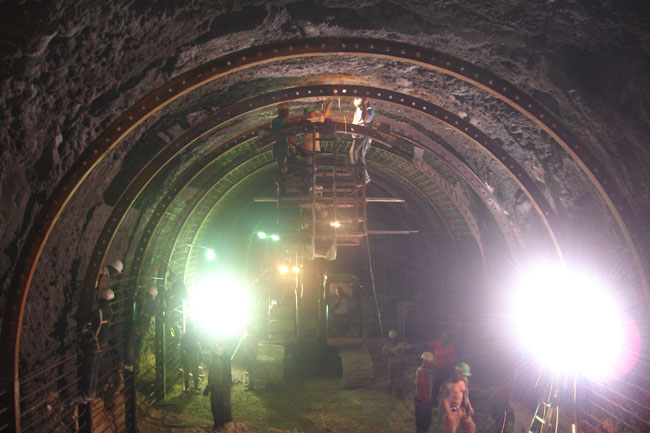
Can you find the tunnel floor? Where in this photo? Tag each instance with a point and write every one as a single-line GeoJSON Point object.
{"type": "Point", "coordinates": [310, 405]}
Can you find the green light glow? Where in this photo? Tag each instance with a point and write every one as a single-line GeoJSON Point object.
{"type": "Point", "coordinates": [261, 235]}
{"type": "Point", "coordinates": [275, 238]}
{"type": "Point", "coordinates": [209, 254]}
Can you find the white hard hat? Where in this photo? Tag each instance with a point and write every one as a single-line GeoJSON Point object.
{"type": "Point", "coordinates": [107, 295]}
{"type": "Point", "coordinates": [153, 291]}
{"type": "Point", "coordinates": [393, 333]}
{"type": "Point", "coordinates": [427, 357]}
{"type": "Point", "coordinates": [118, 266]}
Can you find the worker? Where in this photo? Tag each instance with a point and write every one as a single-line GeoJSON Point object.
{"type": "Point", "coordinates": [95, 335]}
{"type": "Point", "coordinates": [311, 140]}
{"type": "Point", "coordinates": [343, 305]}
{"type": "Point", "coordinates": [190, 356]}
{"type": "Point", "coordinates": [146, 307]}
{"type": "Point", "coordinates": [445, 360]}
{"type": "Point", "coordinates": [423, 400]}
{"type": "Point", "coordinates": [363, 116]}
{"type": "Point", "coordinates": [455, 407]}
{"type": "Point", "coordinates": [218, 388]}
{"type": "Point", "coordinates": [114, 268]}
{"type": "Point", "coordinates": [394, 350]}
{"type": "Point", "coordinates": [281, 147]}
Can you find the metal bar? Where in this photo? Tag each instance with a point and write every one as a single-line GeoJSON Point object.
{"type": "Point", "coordinates": [368, 200]}
{"type": "Point", "coordinates": [615, 416]}
{"type": "Point", "coordinates": [618, 406]}
{"type": "Point", "coordinates": [393, 232]}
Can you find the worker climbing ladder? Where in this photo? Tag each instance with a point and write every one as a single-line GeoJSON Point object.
{"type": "Point", "coordinates": [328, 210]}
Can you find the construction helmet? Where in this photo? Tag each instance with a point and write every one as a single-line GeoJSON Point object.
{"type": "Point", "coordinates": [118, 266]}
{"type": "Point", "coordinates": [463, 368]}
{"type": "Point", "coordinates": [107, 295]}
{"type": "Point", "coordinates": [308, 109]}
{"type": "Point", "coordinates": [153, 291]}
{"type": "Point", "coordinates": [283, 106]}
{"type": "Point", "coordinates": [393, 333]}
{"type": "Point", "coordinates": [427, 357]}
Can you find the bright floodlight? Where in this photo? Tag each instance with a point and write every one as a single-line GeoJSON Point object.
{"type": "Point", "coordinates": [296, 269]}
{"type": "Point", "coordinates": [335, 224]}
{"type": "Point", "coordinates": [283, 269]}
{"type": "Point", "coordinates": [209, 254]}
{"type": "Point", "coordinates": [275, 238]}
{"type": "Point", "coordinates": [569, 322]}
{"type": "Point", "coordinates": [261, 235]}
{"type": "Point", "coordinates": [219, 305]}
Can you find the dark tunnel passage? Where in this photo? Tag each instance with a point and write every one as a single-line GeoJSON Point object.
{"type": "Point", "coordinates": [505, 139]}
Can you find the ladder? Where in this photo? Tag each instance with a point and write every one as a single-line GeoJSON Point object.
{"type": "Point", "coordinates": [327, 210]}
{"type": "Point", "coordinates": [546, 416]}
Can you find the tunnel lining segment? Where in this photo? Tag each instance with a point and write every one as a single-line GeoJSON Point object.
{"type": "Point", "coordinates": [186, 82]}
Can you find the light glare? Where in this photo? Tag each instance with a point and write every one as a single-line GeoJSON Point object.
{"type": "Point", "coordinates": [283, 269]}
{"type": "Point", "coordinates": [569, 322]}
{"type": "Point", "coordinates": [219, 305]}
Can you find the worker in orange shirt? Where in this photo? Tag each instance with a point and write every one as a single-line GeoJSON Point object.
{"type": "Point", "coordinates": [445, 360]}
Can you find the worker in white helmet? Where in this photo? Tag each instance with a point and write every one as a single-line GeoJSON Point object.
{"type": "Point", "coordinates": [146, 307]}
{"type": "Point", "coordinates": [423, 400]}
{"type": "Point", "coordinates": [114, 268]}
{"type": "Point", "coordinates": [95, 337]}
{"type": "Point", "coordinates": [394, 350]}
{"type": "Point", "coordinates": [363, 116]}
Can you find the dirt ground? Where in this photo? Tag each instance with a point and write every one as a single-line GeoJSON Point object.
{"type": "Point", "coordinates": [309, 405]}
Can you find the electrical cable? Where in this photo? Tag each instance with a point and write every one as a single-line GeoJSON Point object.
{"type": "Point", "coordinates": [374, 290]}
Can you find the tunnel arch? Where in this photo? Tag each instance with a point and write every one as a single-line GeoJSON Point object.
{"type": "Point", "coordinates": [257, 55]}
{"type": "Point", "coordinates": [238, 109]}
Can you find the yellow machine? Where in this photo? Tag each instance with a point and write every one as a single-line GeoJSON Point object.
{"type": "Point", "coordinates": [341, 309]}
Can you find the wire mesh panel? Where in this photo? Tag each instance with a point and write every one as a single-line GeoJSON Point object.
{"type": "Point", "coordinates": [623, 405]}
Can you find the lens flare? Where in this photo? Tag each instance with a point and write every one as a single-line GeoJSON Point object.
{"type": "Point", "coordinates": [569, 322]}
{"type": "Point", "coordinates": [219, 305]}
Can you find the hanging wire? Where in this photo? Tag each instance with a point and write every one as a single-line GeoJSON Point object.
{"type": "Point", "coordinates": [374, 290]}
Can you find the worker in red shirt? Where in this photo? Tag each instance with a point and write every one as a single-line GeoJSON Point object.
{"type": "Point", "coordinates": [445, 360]}
{"type": "Point", "coordinates": [423, 400]}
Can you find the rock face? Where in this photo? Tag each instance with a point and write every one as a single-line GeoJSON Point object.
{"type": "Point", "coordinates": [70, 69]}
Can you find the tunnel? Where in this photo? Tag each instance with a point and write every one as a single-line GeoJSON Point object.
{"type": "Point", "coordinates": [506, 135]}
